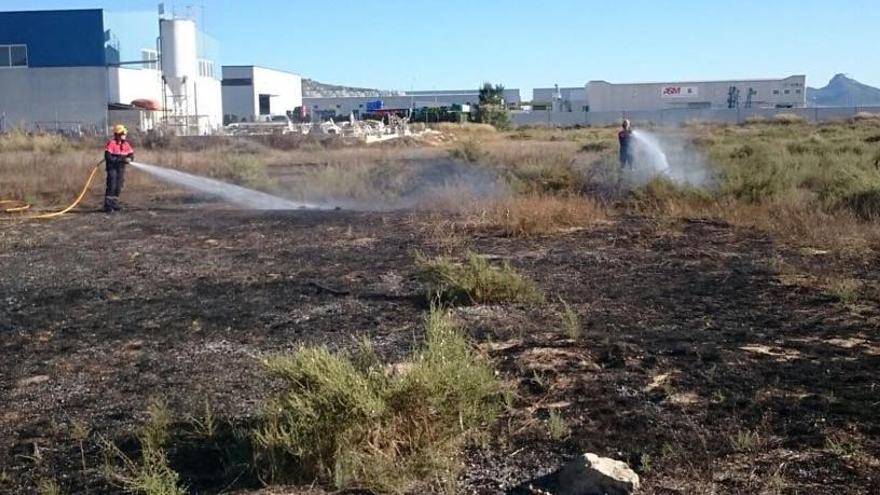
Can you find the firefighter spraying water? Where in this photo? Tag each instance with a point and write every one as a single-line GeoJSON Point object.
{"type": "Point", "coordinates": [117, 154]}
{"type": "Point", "coordinates": [625, 138]}
{"type": "Point", "coordinates": [641, 155]}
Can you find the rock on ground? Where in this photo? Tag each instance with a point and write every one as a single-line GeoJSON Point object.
{"type": "Point", "coordinates": [586, 475]}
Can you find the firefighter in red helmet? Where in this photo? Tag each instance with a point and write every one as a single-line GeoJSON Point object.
{"type": "Point", "coordinates": [117, 155]}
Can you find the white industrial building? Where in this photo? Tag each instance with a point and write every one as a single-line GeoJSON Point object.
{"type": "Point", "coordinates": [357, 105]}
{"type": "Point", "coordinates": [558, 99]}
{"type": "Point", "coordinates": [251, 92]}
{"type": "Point", "coordinates": [84, 70]}
{"type": "Point", "coordinates": [601, 96]}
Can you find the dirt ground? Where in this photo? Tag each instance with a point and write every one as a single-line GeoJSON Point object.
{"type": "Point", "coordinates": [700, 363]}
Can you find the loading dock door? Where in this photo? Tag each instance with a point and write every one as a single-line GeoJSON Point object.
{"type": "Point", "coordinates": [265, 104]}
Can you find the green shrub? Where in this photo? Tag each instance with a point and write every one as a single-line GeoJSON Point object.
{"type": "Point", "coordinates": [349, 421]}
{"type": "Point", "coordinates": [476, 281]}
{"type": "Point", "coordinates": [495, 115]}
{"type": "Point", "coordinates": [244, 169]}
{"type": "Point", "coordinates": [153, 475]}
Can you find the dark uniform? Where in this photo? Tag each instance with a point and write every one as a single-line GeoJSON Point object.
{"type": "Point", "coordinates": [117, 154]}
{"type": "Point", "coordinates": [626, 148]}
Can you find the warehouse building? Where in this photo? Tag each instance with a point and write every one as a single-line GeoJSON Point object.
{"type": "Point", "coordinates": [82, 70]}
{"type": "Point", "coordinates": [601, 96]}
{"type": "Point", "coordinates": [789, 92]}
{"type": "Point", "coordinates": [558, 99]}
{"type": "Point", "coordinates": [357, 105]}
{"type": "Point", "coordinates": [251, 93]}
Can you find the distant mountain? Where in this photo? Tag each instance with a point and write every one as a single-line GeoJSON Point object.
{"type": "Point", "coordinates": [845, 92]}
{"type": "Point", "coordinates": [312, 88]}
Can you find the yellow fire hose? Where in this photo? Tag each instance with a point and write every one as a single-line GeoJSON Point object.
{"type": "Point", "coordinates": [17, 206]}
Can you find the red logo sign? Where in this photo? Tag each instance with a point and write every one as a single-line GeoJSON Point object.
{"type": "Point", "coordinates": [672, 91]}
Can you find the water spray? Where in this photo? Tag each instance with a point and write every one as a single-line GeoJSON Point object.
{"type": "Point", "coordinates": [670, 157]}
{"type": "Point", "coordinates": [237, 195]}
{"type": "Point", "coordinates": [652, 155]}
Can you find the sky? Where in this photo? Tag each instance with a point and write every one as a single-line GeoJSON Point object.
{"type": "Point", "coordinates": [458, 44]}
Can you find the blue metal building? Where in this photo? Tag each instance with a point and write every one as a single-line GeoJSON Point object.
{"type": "Point", "coordinates": [64, 69]}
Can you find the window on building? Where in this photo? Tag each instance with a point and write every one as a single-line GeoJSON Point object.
{"type": "Point", "coordinates": [150, 59]}
{"type": "Point", "coordinates": [19, 55]}
{"type": "Point", "coordinates": [788, 91]}
{"type": "Point", "coordinates": [13, 56]}
{"type": "Point", "coordinates": [775, 91]}
{"type": "Point", "coordinates": [265, 104]}
{"type": "Point", "coordinates": [797, 91]}
{"type": "Point", "coordinates": [206, 68]}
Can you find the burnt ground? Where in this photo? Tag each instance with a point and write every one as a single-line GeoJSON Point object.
{"type": "Point", "coordinates": [698, 363]}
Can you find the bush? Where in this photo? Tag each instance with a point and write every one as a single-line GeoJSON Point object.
{"type": "Point", "coordinates": [244, 169]}
{"type": "Point", "coordinates": [476, 281]}
{"type": "Point", "coordinates": [349, 421]}
{"type": "Point", "coordinates": [547, 178]}
{"type": "Point", "coordinates": [469, 151]}
{"type": "Point", "coordinates": [495, 115]}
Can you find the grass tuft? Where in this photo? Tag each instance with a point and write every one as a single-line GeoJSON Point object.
{"type": "Point", "coordinates": [49, 487]}
{"type": "Point", "coordinates": [746, 441]}
{"type": "Point", "coordinates": [349, 421]}
{"type": "Point", "coordinates": [557, 429]}
{"type": "Point", "coordinates": [571, 323]}
{"type": "Point", "coordinates": [476, 281]}
{"type": "Point", "coordinates": [847, 290]}
{"type": "Point", "coordinates": [153, 475]}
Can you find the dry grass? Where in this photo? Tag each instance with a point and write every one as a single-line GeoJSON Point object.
{"type": "Point", "coordinates": [46, 144]}
{"type": "Point", "coordinates": [804, 183]}
{"type": "Point", "coordinates": [466, 130]}
{"type": "Point", "coordinates": [535, 214]}
{"type": "Point", "coordinates": [45, 179]}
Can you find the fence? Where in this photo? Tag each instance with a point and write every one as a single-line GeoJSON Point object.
{"type": "Point", "coordinates": [680, 116]}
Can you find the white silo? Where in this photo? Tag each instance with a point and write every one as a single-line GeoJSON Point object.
{"type": "Point", "coordinates": [179, 59]}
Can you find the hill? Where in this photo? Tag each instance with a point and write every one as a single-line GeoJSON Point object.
{"type": "Point", "coordinates": [843, 91]}
{"type": "Point", "coordinates": [312, 88]}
